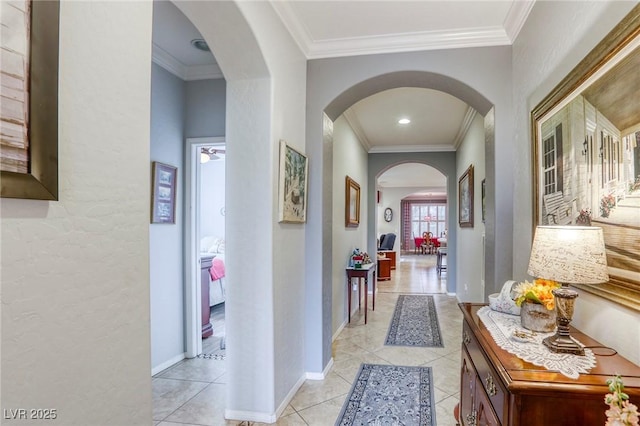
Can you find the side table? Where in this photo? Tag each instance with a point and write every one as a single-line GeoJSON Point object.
{"type": "Point", "coordinates": [359, 273]}
{"type": "Point", "coordinates": [384, 269]}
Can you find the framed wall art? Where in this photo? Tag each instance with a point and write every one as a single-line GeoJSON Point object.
{"type": "Point", "coordinates": [586, 155]}
{"type": "Point", "coordinates": [484, 203]}
{"type": "Point", "coordinates": [352, 203]}
{"type": "Point", "coordinates": [292, 193]}
{"type": "Point", "coordinates": [465, 199]}
{"type": "Point", "coordinates": [29, 116]}
{"type": "Point", "coordinates": [163, 193]}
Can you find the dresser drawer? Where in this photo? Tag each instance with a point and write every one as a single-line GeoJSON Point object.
{"type": "Point", "coordinates": [487, 378]}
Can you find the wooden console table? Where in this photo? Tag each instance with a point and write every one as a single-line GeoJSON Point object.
{"type": "Point", "coordinates": [361, 273]}
{"type": "Point", "coordinates": [498, 388]}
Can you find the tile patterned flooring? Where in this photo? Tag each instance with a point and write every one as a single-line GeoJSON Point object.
{"type": "Point", "coordinates": [192, 392]}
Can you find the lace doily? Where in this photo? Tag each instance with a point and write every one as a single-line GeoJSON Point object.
{"type": "Point", "coordinates": [501, 326]}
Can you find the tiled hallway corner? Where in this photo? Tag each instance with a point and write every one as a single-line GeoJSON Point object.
{"type": "Point", "coordinates": [193, 391]}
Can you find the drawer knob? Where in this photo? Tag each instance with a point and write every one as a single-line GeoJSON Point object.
{"type": "Point", "coordinates": [471, 418]}
{"type": "Point", "coordinates": [465, 337]}
{"type": "Point", "coordinates": [490, 386]}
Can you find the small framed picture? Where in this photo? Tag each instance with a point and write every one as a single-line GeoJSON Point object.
{"type": "Point", "coordinates": [352, 203]}
{"type": "Point", "coordinates": [465, 199]}
{"type": "Point", "coordinates": [484, 203]}
{"type": "Point", "coordinates": [163, 193]}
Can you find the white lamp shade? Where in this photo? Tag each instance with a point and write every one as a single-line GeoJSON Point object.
{"type": "Point", "coordinates": [569, 254]}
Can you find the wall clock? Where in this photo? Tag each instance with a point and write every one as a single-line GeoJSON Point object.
{"type": "Point", "coordinates": [388, 214]}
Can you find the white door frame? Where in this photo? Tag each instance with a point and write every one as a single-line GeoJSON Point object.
{"type": "Point", "coordinates": [193, 293]}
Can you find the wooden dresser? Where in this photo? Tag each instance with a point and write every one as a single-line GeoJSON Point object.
{"type": "Point", "coordinates": [498, 388]}
{"type": "Point", "coordinates": [205, 264]}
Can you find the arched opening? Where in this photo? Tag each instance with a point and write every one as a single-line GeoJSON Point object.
{"type": "Point", "coordinates": [326, 102]}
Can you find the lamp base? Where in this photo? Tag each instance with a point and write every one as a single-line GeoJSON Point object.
{"type": "Point", "coordinates": [564, 344]}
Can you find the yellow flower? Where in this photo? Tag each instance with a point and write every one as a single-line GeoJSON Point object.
{"type": "Point", "coordinates": [539, 291]}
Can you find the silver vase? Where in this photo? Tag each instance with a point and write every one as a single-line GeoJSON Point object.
{"type": "Point", "coordinates": [536, 317]}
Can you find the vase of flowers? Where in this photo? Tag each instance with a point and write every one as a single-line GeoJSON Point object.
{"type": "Point", "coordinates": [537, 304]}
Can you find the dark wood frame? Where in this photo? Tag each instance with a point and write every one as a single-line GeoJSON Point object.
{"type": "Point", "coordinates": [618, 290]}
{"type": "Point", "coordinates": [467, 177]}
{"type": "Point", "coordinates": [41, 182]}
{"type": "Point", "coordinates": [157, 185]}
{"type": "Point", "coordinates": [484, 196]}
{"type": "Point", "coordinates": [351, 200]}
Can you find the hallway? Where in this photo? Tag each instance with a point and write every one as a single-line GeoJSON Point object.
{"type": "Point", "coordinates": [192, 392]}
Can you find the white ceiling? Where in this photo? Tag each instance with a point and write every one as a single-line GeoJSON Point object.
{"type": "Point", "coordinates": [355, 27]}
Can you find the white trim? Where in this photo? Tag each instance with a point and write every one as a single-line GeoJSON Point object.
{"type": "Point", "coordinates": [251, 416]}
{"type": "Point", "coordinates": [469, 115]}
{"type": "Point", "coordinates": [185, 72]}
{"type": "Point", "coordinates": [352, 120]}
{"type": "Point", "coordinates": [516, 17]}
{"type": "Point", "coordinates": [427, 40]}
{"type": "Point", "coordinates": [409, 42]}
{"type": "Point", "coordinates": [289, 397]}
{"type": "Point", "coordinates": [159, 368]}
{"type": "Point", "coordinates": [193, 308]}
{"type": "Point", "coordinates": [323, 375]}
{"type": "Point", "coordinates": [338, 331]}
{"type": "Point", "coordinates": [411, 148]}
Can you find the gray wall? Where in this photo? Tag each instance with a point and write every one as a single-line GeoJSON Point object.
{"type": "Point", "coordinates": [166, 240]}
{"type": "Point", "coordinates": [179, 110]}
{"type": "Point", "coordinates": [205, 108]}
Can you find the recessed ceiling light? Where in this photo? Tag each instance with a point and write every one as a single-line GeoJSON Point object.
{"type": "Point", "coordinates": [404, 121]}
{"type": "Point", "coordinates": [200, 44]}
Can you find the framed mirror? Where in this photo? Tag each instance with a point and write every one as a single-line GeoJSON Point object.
{"type": "Point", "coordinates": [352, 203]}
{"type": "Point", "coordinates": [586, 155]}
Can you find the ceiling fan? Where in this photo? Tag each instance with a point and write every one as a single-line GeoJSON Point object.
{"type": "Point", "coordinates": [208, 153]}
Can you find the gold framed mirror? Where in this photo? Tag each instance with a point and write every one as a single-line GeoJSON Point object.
{"type": "Point", "coordinates": [586, 155]}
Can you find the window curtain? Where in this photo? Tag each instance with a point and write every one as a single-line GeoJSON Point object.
{"type": "Point", "coordinates": [405, 226]}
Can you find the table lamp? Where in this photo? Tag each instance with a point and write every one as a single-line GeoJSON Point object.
{"type": "Point", "coordinates": [568, 255]}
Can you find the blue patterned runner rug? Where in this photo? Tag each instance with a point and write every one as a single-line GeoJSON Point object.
{"type": "Point", "coordinates": [414, 323]}
{"type": "Point", "coordinates": [390, 395]}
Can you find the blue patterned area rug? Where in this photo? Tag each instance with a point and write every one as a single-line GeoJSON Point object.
{"type": "Point", "coordinates": [390, 395]}
{"type": "Point", "coordinates": [414, 323]}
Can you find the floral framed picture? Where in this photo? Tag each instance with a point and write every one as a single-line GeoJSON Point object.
{"type": "Point", "coordinates": [352, 203]}
{"type": "Point", "coordinates": [292, 193]}
{"type": "Point", "coordinates": [163, 193]}
{"type": "Point", "coordinates": [465, 199]}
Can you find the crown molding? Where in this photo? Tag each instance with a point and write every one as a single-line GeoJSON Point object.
{"type": "Point", "coordinates": [426, 40]}
{"type": "Point", "coordinates": [187, 73]}
{"type": "Point", "coordinates": [411, 148]}
{"type": "Point", "coordinates": [409, 42]}
{"type": "Point", "coordinates": [297, 29]}
{"type": "Point", "coordinates": [464, 127]}
{"type": "Point", "coordinates": [353, 121]}
{"type": "Point", "coordinates": [516, 17]}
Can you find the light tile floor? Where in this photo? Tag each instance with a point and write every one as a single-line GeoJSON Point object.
{"type": "Point", "coordinates": [192, 392]}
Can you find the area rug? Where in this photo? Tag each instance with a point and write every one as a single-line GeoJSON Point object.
{"type": "Point", "coordinates": [390, 395]}
{"type": "Point", "coordinates": [414, 323]}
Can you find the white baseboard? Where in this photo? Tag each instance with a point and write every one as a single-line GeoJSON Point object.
{"type": "Point", "coordinates": [290, 396]}
{"type": "Point", "coordinates": [452, 294]}
{"type": "Point", "coordinates": [338, 331]}
{"type": "Point", "coordinates": [250, 416]}
{"type": "Point", "coordinates": [323, 375]}
{"type": "Point", "coordinates": [155, 370]}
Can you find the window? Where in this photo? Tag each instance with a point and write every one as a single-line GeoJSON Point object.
{"type": "Point", "coordinates": [427, 217]}
{"type": "Point", "coordinates": [552, 161]}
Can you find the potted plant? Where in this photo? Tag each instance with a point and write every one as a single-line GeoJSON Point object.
{"type": "Point", "coordinates": [537, 304]}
